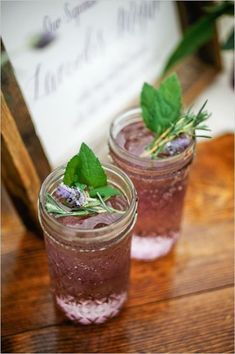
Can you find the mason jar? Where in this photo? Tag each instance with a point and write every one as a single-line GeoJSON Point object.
{"type": "Point", "coordinates": [89, 268]}
{"type": "Point", "coordinates": [160, 184]}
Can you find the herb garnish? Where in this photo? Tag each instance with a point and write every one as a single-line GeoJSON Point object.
{"type": "Point", "coordinates": [84, 190]}
{"type": "Point", "coordinates": [85, 168]}
{"type": "Point", "coordinates": [162, 114]}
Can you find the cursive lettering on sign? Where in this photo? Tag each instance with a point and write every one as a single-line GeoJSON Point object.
{"type": "Point", "coordinates": [74, 12]}
{"type": "Point", "coordinates": [45, 81]}
{"type": "Point", "coordinates": [136, 15]}
{"type": "Point", "coordinates": [70, 13]}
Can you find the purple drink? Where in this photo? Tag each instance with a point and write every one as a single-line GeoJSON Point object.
{"type": "Point", "coordinates": [160, 183]}
{"type": "Point", "coordinates": [89, 256]}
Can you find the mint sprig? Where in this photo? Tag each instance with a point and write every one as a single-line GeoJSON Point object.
{"type": "Point", "coordinates": [162, 114]}
{"type": "Point", "coordinates": [84, 189]}
{"type": "Point", "coordinates": [85, 168]}
{"type": "Point", "coordinates": [161, 107]}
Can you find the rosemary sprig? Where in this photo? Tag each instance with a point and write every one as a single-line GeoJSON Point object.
{"type": "Point", "coordinates": [188, 124]}
{"type": "Point", "coordinates": [162, 114]}
{"type": "Point", "coordinates": [92, 206]}
{"type": "Point", "coordinates": [109, 209]}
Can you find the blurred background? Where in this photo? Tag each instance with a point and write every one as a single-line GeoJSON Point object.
{"type": "Point", "coordinates": [79, 63]}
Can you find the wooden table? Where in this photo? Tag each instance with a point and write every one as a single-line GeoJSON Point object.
{"type": "Point", "coordinates": [181, 303]}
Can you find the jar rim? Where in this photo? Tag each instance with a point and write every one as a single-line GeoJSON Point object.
{"type": "Point", "coordinates": [134, 115]}
{"type": "Point", "coordinates": [83, 234]}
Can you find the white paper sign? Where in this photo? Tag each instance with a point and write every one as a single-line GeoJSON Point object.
{"type": "Point", "coordinates": [102, 54]}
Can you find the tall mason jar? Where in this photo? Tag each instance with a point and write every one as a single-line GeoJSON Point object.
{"type": "Point", "coordinates": [89, 268]}
{"type": "Point", "coordinates": [161, 185]}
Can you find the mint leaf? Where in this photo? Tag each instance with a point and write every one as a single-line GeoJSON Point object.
{"type": "Point", "coordinates": [90, 171]}
{"type": "Point", "coordinates": [84, 169]}
{"type": "Point", "coordinates": [80, 185]}
{"type": "Point", "coordinates": [70, 175]}
{"type": "Point", "coordinates": [161, 107]}
{"type": "Point", "coordinates": [105, 192]}
{"type": "Point", "coordinates": [168, 103]}
{"type": "Point", "coordinates": [147, 99]}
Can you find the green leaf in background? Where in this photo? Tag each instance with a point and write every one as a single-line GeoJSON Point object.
{"type": "Point", "coordinates": [168, 103]}
{"type": "Point", "coordinates": [90, 170]}
{"type": "Point", "coordinates": [229, 43]}
{"type": "Point", "coordinates": [221, 8]}
{"type": "Point", "coordinates": [105, 192]}
{"type": "Point", "coordinates": [161, 107]}
{"type": "Point", "coordinates": [194, 38]}
{"type": "Point", "coordinates": [199, 33]}
{"type": "Point", "coordinates": [70, 175]}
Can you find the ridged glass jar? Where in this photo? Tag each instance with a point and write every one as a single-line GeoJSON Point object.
{"type": "Point", "coordinates": [161, 185]}
{"type": "Point", "coordinates": [89, 269]}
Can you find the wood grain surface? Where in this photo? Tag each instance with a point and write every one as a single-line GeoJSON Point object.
{"type": "Point", "coordinates": [18, 170]}
{"type": "Point", "coordinates": [19, 110]}
{"type": "Point", "coordinates": [181, 303]}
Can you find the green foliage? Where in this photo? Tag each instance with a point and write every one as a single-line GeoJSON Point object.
{"type": "Point", "coordinates": [229, 43]}
{"type": "Point", "coordinates": [199, 33]}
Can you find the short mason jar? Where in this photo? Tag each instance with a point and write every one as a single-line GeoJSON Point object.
{"type": "Point", "coordinates": [89, 268]}
{"type": "Point", "coordinates": [160, 184]}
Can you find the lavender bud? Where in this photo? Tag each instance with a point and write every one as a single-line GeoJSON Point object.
{"type": "Point", "coordinates": [72, 196]}
{"type": "Point", "coordinates": [177, 145]}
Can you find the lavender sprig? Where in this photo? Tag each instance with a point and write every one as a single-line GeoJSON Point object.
{"type": "Point", "coordinates": [74, 197]}
{"type": "Point", "coordinates": [85, 188]}
{"type": "Point", "coordinates": [91, 206]}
